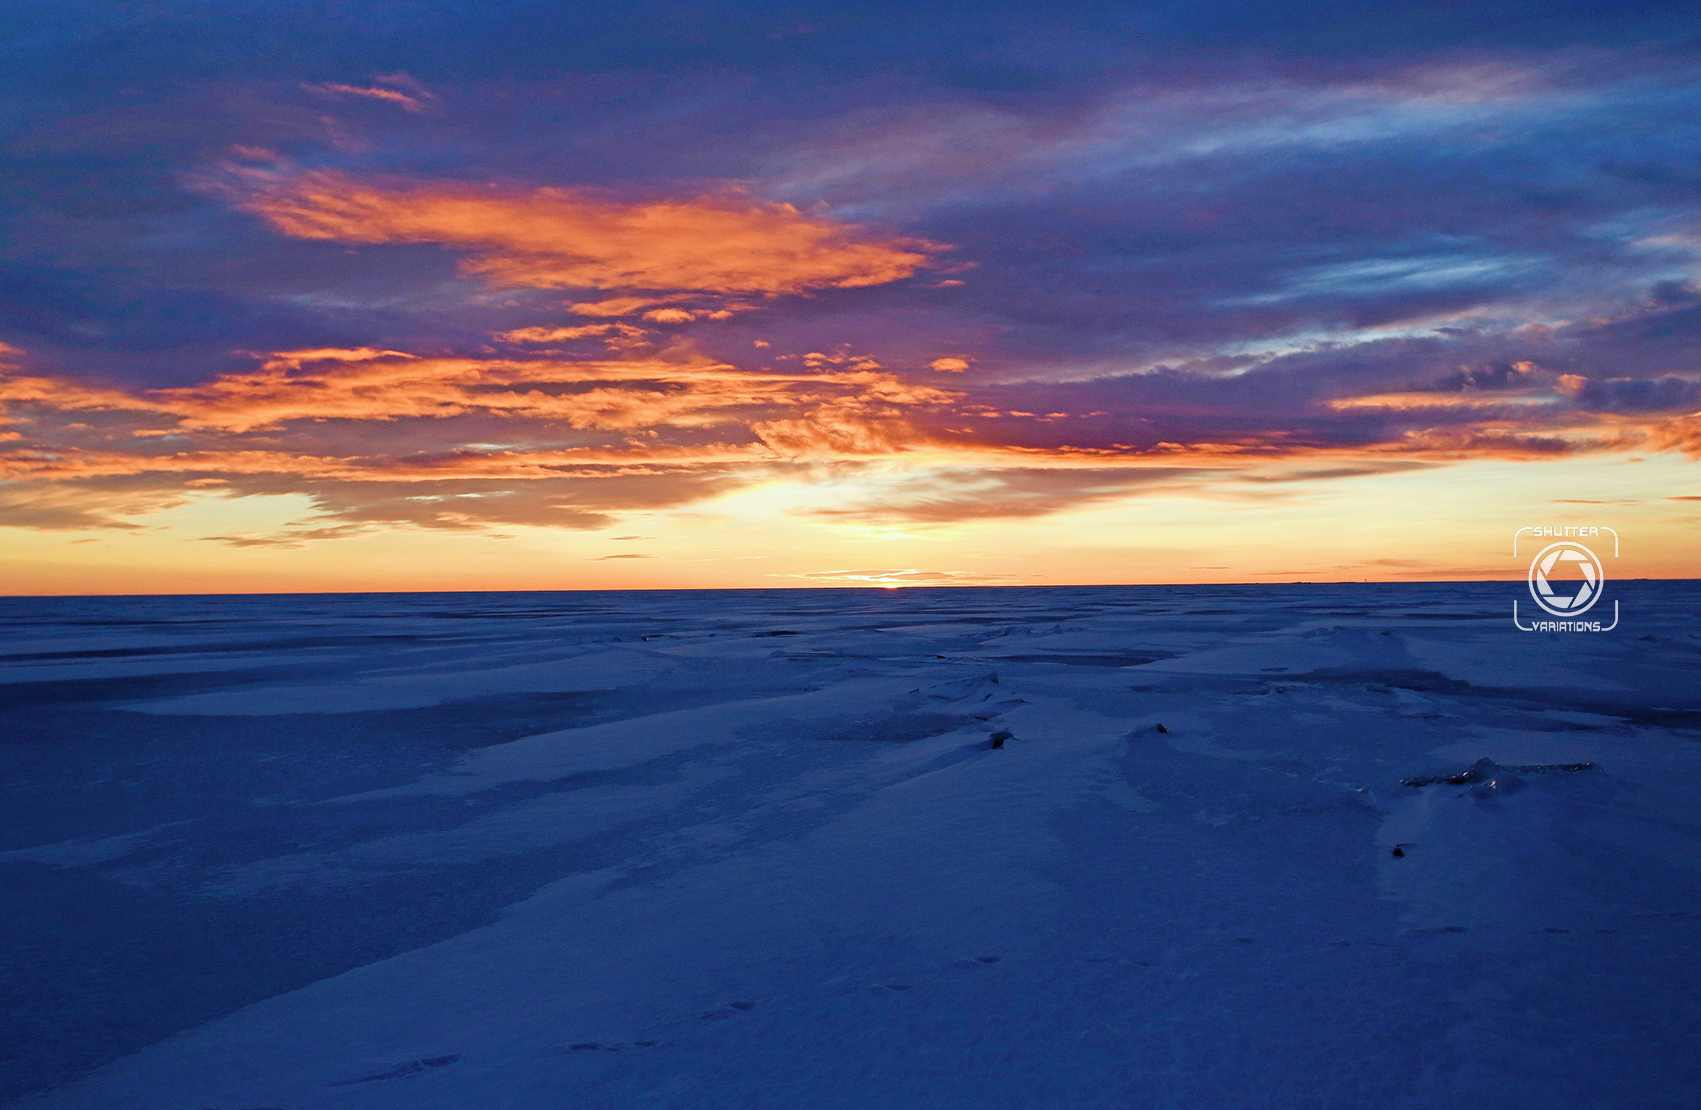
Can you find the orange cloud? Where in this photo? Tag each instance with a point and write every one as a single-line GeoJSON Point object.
{"type": "Point", "coordinates": [565, 238]}
{"type": "Point", "coordinates": [1504, 443]}
{"type": "Point", "coordinates": [858, 409]}
{"type": "Point", "coordinates": [444, 466]}
{"type": "Point", "coordinates": [1680, 434]}
{"type": "Point", "coordinates": [847, 429]}
{"type": "Point", "coordinates": [949, 365]}
{"type": "Point", "coordinates": [558, 335]}
{"type": "Point", "coordinates": [370, 385]}
{"type": "Point", "coordinates": [62, 395]}
{"type": "Point", "coordinates": [379, 435]}
{"type": "Point", "coordinates": [620, 306]}
{"type": "Point", "coordinates": [52, 506]}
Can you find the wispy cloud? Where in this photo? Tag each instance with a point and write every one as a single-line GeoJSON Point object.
{"type": "Point", "coordinates": [371, 92]}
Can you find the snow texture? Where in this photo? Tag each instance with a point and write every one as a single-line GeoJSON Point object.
{"type": "Point", "coordinates": [1215, 847]}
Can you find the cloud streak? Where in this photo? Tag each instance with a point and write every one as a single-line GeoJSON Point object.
{"type": "Point", "coordinates": [558, 238]}
{"type": "Point", "coordinates": [370, 92]}
{"type": "Point", "coordinates": [573, 441]}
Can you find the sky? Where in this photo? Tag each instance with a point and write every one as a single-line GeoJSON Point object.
{"type": "Point", "coordinates": [517, 295]}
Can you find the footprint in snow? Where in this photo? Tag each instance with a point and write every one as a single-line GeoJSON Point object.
{"type": "Point", "coordinates": [412, 1067]}
{"type": "Point", "coordinates": [730, 1010]}
{"type": "Point", "coordinates": [976, 961]}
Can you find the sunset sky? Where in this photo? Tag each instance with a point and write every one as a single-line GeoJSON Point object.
{"type": "Point", "coordinates": [444, 295]}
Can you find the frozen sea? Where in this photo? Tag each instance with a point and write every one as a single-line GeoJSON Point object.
{"type": "Point", "coordinates": [756, 849]}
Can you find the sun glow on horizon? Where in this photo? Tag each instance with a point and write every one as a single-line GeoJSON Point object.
{"type": "Point", "coordinates": [1404, 526]}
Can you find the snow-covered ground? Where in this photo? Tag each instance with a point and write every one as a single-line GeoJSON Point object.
{"type": "Point", "coordinates": [756, 850]}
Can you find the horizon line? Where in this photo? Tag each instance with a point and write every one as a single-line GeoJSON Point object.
{"type": "Point", "coordinates": [864, 586]}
